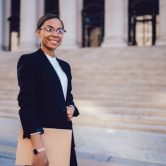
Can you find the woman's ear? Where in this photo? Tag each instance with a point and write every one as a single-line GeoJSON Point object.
{"type": "Point", "coordinates": [37, 33]}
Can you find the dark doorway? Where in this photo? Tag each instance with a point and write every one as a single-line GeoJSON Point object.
{"type": "Point", "coordinates": [14, 21]}
{"type": "Point", "coordinates": [52, 6]}
{"type": "Point", "coordinates": [92, 23]}
{"type": "Point", "coordinates": [142, 22]}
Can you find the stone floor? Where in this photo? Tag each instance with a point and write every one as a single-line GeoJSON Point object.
{"type": "Point", "coordinates": [97, 146]}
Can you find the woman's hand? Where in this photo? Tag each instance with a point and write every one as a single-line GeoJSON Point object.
{"type": "Point", "coordinates": [40, 159]}
{"type": "Point", "coordinates": [70, 112]}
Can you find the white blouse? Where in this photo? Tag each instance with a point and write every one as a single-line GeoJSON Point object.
{"type": "Point", "coordinates": [61, 74]}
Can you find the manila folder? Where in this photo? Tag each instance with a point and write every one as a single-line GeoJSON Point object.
{"type": "Point", "coordinates": [57, 143]}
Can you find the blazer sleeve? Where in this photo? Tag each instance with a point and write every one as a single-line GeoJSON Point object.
{"type": "Point", "coordinates": [70, 100]}
{"type": "Point", "coordinates": [27, 97]}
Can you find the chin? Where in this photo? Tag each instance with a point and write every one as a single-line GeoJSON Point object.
{"type": "Point", "coordinates": [53, 47]}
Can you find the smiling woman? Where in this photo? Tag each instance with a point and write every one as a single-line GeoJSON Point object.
{"type": "Point", "coordinates": [45, 97]}
{"type": "Point", "coordinates": [50, 31]}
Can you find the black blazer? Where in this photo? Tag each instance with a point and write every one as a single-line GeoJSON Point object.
{"type": "Point", "coordinates": [41, 98]}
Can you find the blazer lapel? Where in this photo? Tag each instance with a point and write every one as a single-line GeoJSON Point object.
{"type": "Point", "coordinates": [48, 66]}
{"type": "Point", "coordinates": [63, 68]}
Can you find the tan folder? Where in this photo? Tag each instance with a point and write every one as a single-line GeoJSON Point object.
{"type": "Point", "coordinates": [57, 143]}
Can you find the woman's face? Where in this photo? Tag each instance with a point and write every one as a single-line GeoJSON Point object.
{"type": "Point", "coordinates": [50, 35]}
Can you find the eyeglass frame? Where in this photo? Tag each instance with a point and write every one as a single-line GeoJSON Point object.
{"type": "Point", "coordinates": [53, 30]}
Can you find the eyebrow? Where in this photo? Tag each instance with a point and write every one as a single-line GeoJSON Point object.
{"type": "Point", "coordinates": [53, 27]}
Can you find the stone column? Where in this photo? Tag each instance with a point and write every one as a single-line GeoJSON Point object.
{"type": "Point", "coordinates": [28, 17]}
{"type": "Point", "coordinates": [162, 32]}
{"type": "Point", "coordinates": [115, 30]}
{"type": "Point", "coordinates": [40, 12]}
{"type": "Point", "coordinates": [6, 24]}
{"type": "Point", "coordinates": [40, 8]}
{"type": "Point", "coordinates": [79, 22]}
{"type": "Point", "coordinates": [126, 22]}
{"type": "Point", "coordinates": [68, 13]}
{"type": "Point", "coordinates": [1, 24]}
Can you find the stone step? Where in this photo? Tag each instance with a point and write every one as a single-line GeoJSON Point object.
{"type": "Point", "coordinates": [118, 75]}
{"type": "Point", "coordinates": [116, 162]}
{"type": "Point", "coordinates": [111, 77]}
{"type": "Point", "coordinates": [112, 84]}
{"type": "Point", "coordinates": [117, 110]}
{"type": "Point", "coordinates": [122, 69]}
{"type": "Point", "coordinates": [111, 87]}
{"type": "Point", "coordinates": [137, 104]}
{"type": "Point", "coordinates": [124, 118]}
{"type": "Point", "coordinates": [86, 107]}
{"type": "Point", "coordinates": [91, 109]}
{"type": "Point", "coordinates": [122, 126]}
{"type": "Point", "coordinates": [98, 95]}
{"type": "Point", "coordinates": [105, 80]}
{"type": "Point", "coordinates": [107, 104]}
{"type": "Point", "coordinates": [99, 101]}
{"type": "Point", "coordinates": [127, 85]}
{"type": "Point", "coordinates": [115, 67]}
{"type": "Point", "coordinates": [118, 89]}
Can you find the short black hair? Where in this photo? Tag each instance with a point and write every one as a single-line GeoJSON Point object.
{"type": "Point", "coordinates": [47, 17]}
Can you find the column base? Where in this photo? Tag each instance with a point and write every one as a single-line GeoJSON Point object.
{"type": "Point", "coordinates": [1, 50]}
{"type": "Point", "coordinates": [161, 42]}
{"type": "Point", "coordinates": [5, 48]}
{"type": "Point", "coordinates": [114, 43]}
{"type": "Point", "coordinates": [28, 47]}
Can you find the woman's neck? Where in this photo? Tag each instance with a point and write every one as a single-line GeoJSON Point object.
{"type": "Point", "coordinates": [49, 52]}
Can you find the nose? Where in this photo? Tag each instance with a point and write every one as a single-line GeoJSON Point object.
{"type": "Point", "coordinates": [55, 33]}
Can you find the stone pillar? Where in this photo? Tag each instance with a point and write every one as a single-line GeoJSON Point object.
{"type": "Point", "coordinates": [40, 8]}
{"type": "Point", "coordinates": [6, 24]}
{"type": "Point", "coordinates": [115, 30]}
{"type": "Point", "coordinates": [79, 22]}
{"type": "Point", "coordinates": [68, 13]}
{"type": "Point", "coordinates": [162, 32]}
{"type": "Point", "coordinates": [1, 24]}
{"type": "Point", "coordinates": [28, 17]}
{"type": "Point", "coordinates": [126, 22]}
{"type": "Point", "coordinates": [40, 12]}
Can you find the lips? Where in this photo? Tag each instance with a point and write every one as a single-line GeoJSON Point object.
{"type": "Point", "coordinates": [54, 42]}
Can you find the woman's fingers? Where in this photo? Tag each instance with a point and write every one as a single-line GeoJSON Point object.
{"type": "Point", "coordinates": [70, 112]}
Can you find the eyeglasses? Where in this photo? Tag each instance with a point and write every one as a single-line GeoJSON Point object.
{"type": "Point", "coordinates": [50, 29]}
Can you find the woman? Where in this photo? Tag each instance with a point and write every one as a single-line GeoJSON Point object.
{"type": "Point", "coordinates": [45, 97]}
